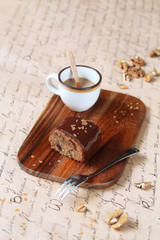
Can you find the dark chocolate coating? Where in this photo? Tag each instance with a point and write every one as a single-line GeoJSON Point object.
{"type": "Point", "coordinates": [84, 132]}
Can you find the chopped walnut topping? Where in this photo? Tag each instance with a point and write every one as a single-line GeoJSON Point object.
{"type": "Point", "coordinates": [73, 127]}
{"type": "Point", "coordinates": [81, 208]}
{"type": "Point", "coordinates": [155, 53]}
{"type": "Point", "coordinates": [84, 122]}
{"type": "Point", "coordinates": [143, 185]}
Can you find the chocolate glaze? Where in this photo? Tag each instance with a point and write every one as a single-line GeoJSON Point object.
{"type": "Point", "coordinates": [84, 132]}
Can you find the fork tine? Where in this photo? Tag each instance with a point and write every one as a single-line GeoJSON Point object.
{"type": "Point", "coordinates": [63, 185]}
{"type": "Point", "coordinates": [69, 185]}
{"type": "Point", "coordinates": [70, 190]}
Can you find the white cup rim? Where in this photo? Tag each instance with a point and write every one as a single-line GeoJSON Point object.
{"type": "Point", "coordinates": [81, 89]}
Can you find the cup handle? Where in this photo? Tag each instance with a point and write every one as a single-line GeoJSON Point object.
{"type": "Point", "coordinates": [49, 84]}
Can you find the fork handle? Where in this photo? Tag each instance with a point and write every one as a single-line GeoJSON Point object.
{"type": "Point", "coordinates": [127, 153]}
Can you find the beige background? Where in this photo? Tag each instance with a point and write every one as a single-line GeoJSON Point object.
{"type": "Point", "coordinates": [34, 37]}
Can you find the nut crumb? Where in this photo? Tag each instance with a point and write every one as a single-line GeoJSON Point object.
{"type": "Point", "coordinates": [32, 156]}
{"type": "Point", "coordinates": [17, 210]}
{"type": "Point", "coordinates": [143, 185]}
{"type": "Point", "coordinates": [34, 164]}
{"type": "Point", "coordinates": [123, 86]}
{"type": "Point", "coordinates": [81, 208]}
{"type": "Point", "coordinates": [93, 220]}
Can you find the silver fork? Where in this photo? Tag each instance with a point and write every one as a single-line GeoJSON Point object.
{"type": "Point", "coordinates": [75, 180]}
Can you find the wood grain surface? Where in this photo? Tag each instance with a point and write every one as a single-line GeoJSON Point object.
{"type": "Point", "coordinates": [119, 117]}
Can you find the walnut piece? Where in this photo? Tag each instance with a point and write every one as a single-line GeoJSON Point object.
{"type": "Point", "coordinates": [121, 221]}
{"type": "Point", "coordinates": [115, 214]}
{"type": "Point", "coordinates": [138, 61]}
{"type": "Point", "coordinates": [148, 77]}
{"type": "Point", "coordinates": [135, 72]}
{"type": "Point", "coordinates": [117, 218]}
{"type": "Point", "coordinates": [155, 53]}
{"type": "Point", "coordinates": [143, 185]}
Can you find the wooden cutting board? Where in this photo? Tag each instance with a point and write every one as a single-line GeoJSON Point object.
{"type": "Point", "coordinates": [119, 117]}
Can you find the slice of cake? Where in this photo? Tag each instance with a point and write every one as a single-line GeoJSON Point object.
{"type": "Point", "coordinates": [76, 138]}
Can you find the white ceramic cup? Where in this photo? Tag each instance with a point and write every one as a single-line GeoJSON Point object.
{"type": "Point", "coordinates": [77, 99]}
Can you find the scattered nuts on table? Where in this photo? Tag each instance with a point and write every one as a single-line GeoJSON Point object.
{"type": "Point", "coordinates": [132, 68]}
